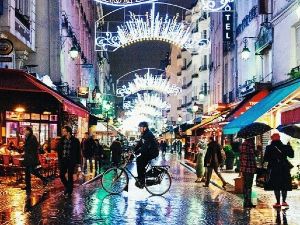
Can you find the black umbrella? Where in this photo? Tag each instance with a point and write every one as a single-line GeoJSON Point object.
{"type": "Point", "coordinates": [291, 130]}
{"type": "Point", "coordinates": [253, 129]}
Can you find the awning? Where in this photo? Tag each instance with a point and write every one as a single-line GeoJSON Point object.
{"type": "Point", "coordinates": [249, 101]}
{"type": "Point", "coordinates": [207, 121]}
{"type": "Point", "coordinates": [277, 95]}
{"type": "Point", "coordinates": [18, 80]}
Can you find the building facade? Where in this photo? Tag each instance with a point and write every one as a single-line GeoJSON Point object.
{"type": "Point", "coordinates": [189, 69]}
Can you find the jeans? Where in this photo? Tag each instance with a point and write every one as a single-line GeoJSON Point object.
{"type": "Point", "coordinates": [209, 173]}
{"type": "Point", "coordinates": [85, 160]}
{"type": "Point", "coordinates": [97, 164]}
{"type": "Point", "coordinates": [32, 170]}
{"type": "Point", "coordinates": [69, 168]}
{"type": "Point", "coordinates": [247, 190]}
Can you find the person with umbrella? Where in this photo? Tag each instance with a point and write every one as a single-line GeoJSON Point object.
{"type": "Point", "coordinates": [248, 169]}
{"type": "Point", "coordinates": [279, 176]}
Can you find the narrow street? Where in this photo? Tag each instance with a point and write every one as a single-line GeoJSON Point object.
{"type": "Point", "coordinates": [186, 203]}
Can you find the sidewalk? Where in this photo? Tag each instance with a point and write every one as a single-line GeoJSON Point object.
{"type": "Point", "coordinates": [260, 197]}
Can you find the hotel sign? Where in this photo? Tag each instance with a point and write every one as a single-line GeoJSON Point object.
{"type": "Point", "coordinates": [227, 26]}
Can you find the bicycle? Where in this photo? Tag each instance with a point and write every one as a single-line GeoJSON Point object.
{"type": "Point", "coordinates": [116, 179]}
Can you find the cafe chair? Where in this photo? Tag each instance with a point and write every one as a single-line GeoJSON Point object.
{"type": "Point", "coordinates": [17, 167]}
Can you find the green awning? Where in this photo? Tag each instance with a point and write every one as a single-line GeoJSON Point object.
{"type": "Point", "coordinates": [276, 95]}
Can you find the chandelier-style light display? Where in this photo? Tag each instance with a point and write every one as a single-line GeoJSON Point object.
{"type": "Point", "coordinates": [147, 99]}
{"type": "Point", "coordinates": [217, 5]}
{"type": "Point", "coordinates": [149, 27]}
{"type": "Point", "coordinates": [144, 110]}
{"type": "Point", "coordinates": [148, 82]}
{"type": "Point", "coordinates": [124, 2]}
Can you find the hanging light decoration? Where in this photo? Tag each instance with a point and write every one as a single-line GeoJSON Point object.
{"type": "Point", "coordinates": [148, 82]}
{"type": "Point", "coordinates": [124, 2]}
{"type": "Point", "coordinates": [216, 5]}
{"type": "Point", "coordinates": [147, 99]}
{"type": "Point", "coordinates": [150, 27]}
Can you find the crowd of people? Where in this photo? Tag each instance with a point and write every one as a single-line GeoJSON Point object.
{"type": "Point", "coordinates": [275, 162]}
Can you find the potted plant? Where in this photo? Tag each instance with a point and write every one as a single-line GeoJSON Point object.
{"type": "Point", "coordinates": [229, 157]}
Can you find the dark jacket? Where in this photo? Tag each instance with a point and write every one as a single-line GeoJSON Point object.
{"type": "Point", "coordinates": [99, 151]}
{"type": "Point", "coordinates": [74, 157]}
{"type": "Point", "coordinates": [213, 156]}
{"type": "Point", "coordinates": [31, 151]}
{"type": "Point", "coordinates": [280, 176]}
{"type": "Point", "coordinates": [116, 151]}
{"type": "Point", "coordinates": [88, 147]}
{"type": "Point", "coordinates": [147, 145]}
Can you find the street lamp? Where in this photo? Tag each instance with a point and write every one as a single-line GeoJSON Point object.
{"type": "Point", "coordinates": [246, 51]}
{"type": "Point", "coordinates": [73, 52]}
{"type": "Point", "coordinates": [195, 108]}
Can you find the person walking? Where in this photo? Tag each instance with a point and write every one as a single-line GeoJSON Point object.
{"type": "Point", "coordinates": [200, 164]}
{"type": "Point", "coordinates": [99, 155]}
{"type": "Point", "coordinates": [212, 160]}
{"type": "Point", "coordinates": [68, 151]}
{"type": "Point", "coordinates": [163, 146]}
{"type": "Point", "coordinates": [278, 168]}
{"type": "Point", "coordinates": [116, 151]}
{"type": "Point", "coordinates": [248, 169]}
{"type": "Point", "coordinates": [31, 159]}
{"type": "Point", "coordinates": [87, 148]}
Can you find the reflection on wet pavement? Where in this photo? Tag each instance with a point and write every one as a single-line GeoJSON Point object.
{"type": "Point", "coordinates": [185, 203]}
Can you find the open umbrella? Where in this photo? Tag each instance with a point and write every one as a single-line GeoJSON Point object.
{"type": "Point", "coordinates": [253, 129]}
{"type": "Point", "coordinates": [291, 130]}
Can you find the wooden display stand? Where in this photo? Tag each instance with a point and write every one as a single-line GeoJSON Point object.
{"type": "Point", "coordinates": [238, 185]}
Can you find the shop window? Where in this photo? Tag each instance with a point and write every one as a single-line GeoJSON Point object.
{"type": "Point", "coordinates": [35, 116]}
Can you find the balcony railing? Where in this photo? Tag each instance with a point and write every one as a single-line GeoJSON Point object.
{"type": "Point", "coordinates": [187, 104]}
{"type": "Point", "coordinates": [22, 18]}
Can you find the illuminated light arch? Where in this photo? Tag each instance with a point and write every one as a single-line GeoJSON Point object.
{"type": "Point", "coordinates": [147, 99]}
{"type": "Point", "coordinates": [124, 2]}
{"type": "Point", "coordinates": [148, 82]}
{"type": "Point", "coordinates": [146, 28]}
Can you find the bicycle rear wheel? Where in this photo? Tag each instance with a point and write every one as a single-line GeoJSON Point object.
{"type": "Point", "coordinates": [114, 180]}
{"type": "Point", "coordinates": [158, 185]}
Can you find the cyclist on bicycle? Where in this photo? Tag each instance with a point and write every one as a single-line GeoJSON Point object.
{"type": "Point", "coordinates": [147, 147]}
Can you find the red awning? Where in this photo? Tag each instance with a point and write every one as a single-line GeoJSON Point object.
{"type": "Point", "coordinates": [247, 103]}
{"type": "Point", "coordinates": [290, 117]}
{"type": "Point", "coordinates": [18, 80]}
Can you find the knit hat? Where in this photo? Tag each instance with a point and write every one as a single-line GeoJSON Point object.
{"type": "Point", "coordinates": [275, 137]}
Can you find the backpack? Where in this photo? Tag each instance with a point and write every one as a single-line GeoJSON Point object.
{"type": "Point", "coordinates": [154, 151]}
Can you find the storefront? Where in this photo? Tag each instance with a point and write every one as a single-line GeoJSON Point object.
{"type": "Point", "coordinates": [279, 107]}
{"type": "Point", "coordinates": [25, 101]}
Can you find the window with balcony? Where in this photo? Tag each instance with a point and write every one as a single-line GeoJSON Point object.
{"type": "Point", "coordinates": [22, 12]}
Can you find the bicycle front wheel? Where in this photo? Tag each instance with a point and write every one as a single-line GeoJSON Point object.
{"type": "Point", "coordinates": [114, 180]}
{"type": "Point", "coordinates": [158, 185]}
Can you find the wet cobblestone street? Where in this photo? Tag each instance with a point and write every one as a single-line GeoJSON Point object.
{"type": "Point", "coordinates": [185, 203]}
